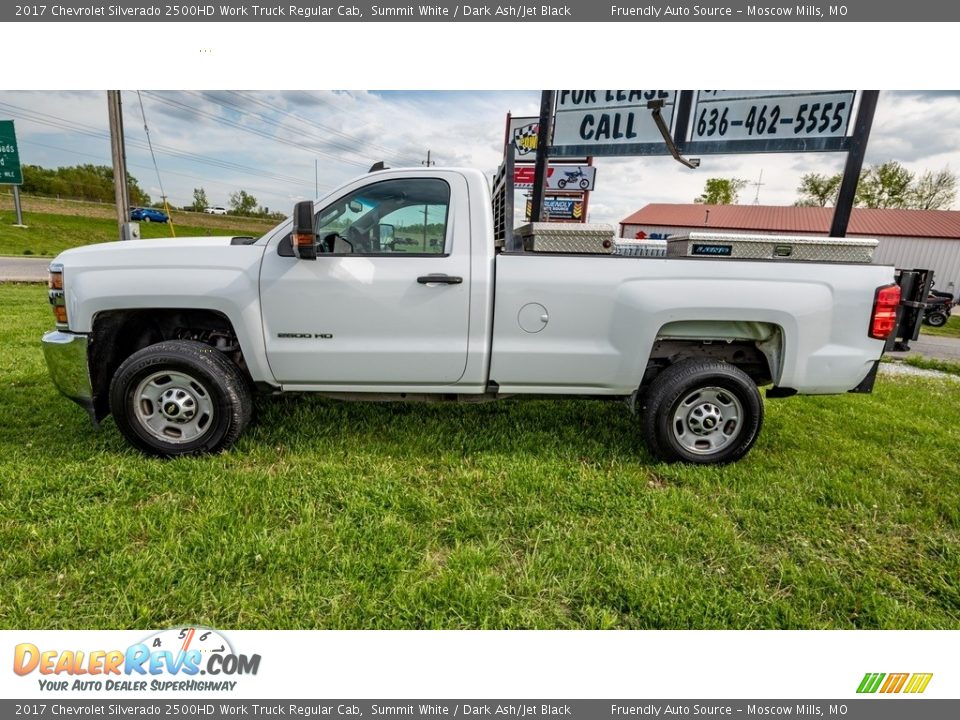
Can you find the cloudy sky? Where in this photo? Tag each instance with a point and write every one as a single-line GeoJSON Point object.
{"type": "Point", "coordinates": [271, 143]}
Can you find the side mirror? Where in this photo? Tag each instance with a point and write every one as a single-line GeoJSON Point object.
{"type": "Point", "coordinates": [304, 236]}
{"type": "Point", "coordinates": [355, 206]}
{"type": "Point", "coordinates": [386, 233]}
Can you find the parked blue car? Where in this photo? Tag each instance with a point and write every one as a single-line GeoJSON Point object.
{"type": "Point", "coordinates": [149, 215]}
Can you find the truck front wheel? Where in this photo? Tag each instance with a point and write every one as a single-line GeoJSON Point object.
{"type": "Point", "coordinates": [180, 397]}
{"type": "Point", "coordinates": [702, 411]}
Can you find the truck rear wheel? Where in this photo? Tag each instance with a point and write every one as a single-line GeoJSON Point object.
{"type": "Point", "coordinates": [180, 397]}
{"type": "Point", "coordinates": [702, 411]}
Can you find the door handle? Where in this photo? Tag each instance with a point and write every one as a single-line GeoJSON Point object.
{"type": "Point", "coordinates": [439, 278]}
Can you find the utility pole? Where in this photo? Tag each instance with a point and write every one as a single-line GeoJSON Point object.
{"type": "Point", "coordinates": [316, 179]}
{"type": "Point", "coordinates": [119, 153]}
{"type": "Point", "coordinates": [758, 183]}
{"type": "Point", "coordinates": [428, 162]}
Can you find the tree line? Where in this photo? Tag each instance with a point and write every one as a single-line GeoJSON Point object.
{"type": "Point", "coordinates": [94, 183]}
{"type": "Point", "coordinates": [241, 203]}
{"type": "Point", "coordinates": [887, 185]}
{"type": "Point", "coordinates": [79, 182]}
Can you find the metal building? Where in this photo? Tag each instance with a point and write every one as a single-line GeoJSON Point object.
{"type": "Point", "coordinates": [908, 238]}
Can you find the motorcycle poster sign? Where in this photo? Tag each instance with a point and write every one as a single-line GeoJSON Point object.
{"type": "Point", "coordinates": [559, 177]}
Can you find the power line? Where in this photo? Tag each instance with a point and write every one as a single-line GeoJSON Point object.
{"type": "Point", "coordinates": [357, 147]}
{"type": "Point", "coordinates": [163, 194]}
{"type": "Point", "coordinates": [205, 180]}
{"type": "Point", "coordinates": [90, 131]}
{"type": "Point", "coordinates": [390, 153]}
{"type": "Point", "coordinates": [251, 130]}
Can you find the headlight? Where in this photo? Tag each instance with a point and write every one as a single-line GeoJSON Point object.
{"type": "Point", "coordinates": [58, 300]}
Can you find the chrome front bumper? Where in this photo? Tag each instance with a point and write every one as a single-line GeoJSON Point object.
{"type": "Point", "coordinates": [66, 356]}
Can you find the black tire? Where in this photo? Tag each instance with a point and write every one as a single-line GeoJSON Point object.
{"type": "Point", "coordinates": [723, 417]}
{"type": "Point", "coordinates": [200, 381]}
{"type": "Point", "coordinates": [936, 319]}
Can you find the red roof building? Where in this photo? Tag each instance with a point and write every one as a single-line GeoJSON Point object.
{"type": "Point", "coordinates": [794, 220]}
{"type": "Point", "coordinates": [908, 238]}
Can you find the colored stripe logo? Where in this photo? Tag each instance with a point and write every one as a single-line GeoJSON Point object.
{"type": "Point", "coordinates": [894, 683]}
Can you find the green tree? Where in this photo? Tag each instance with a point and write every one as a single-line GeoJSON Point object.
{"type": "Point", "coordinates": [79, 182]}
{"type": "Point", "coordinates": [200, 199]}
{"type": "Point", "coordinates": [818, 190]}
{"type": "Point", "coordinates": [243, 203]}
{"type": "Point", "coordinates": [721, 191]}
{"type": "Point", "coordinates": [934, 191]}
{"type": "Point", "coordinates": [888, 185]}
{"type": "Point", "coordinates": [885, 186]}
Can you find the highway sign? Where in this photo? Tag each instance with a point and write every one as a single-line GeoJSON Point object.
{"type": "Point", "coordinates": [10, 173]}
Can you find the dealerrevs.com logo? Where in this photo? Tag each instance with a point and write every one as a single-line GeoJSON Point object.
{"type": "Point", "coordinates": [168, 660]}
{"type": "Point", "coordinates": [889, 683]}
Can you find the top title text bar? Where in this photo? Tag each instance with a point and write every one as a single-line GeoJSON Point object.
{"type": "Point", "coordinates": [447, 11]}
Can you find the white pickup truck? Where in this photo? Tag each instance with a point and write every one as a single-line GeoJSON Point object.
{"type": "Point", "coordinates": [394, 289]}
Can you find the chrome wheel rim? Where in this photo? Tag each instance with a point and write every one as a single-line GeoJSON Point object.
{"type": "Point", "coordinates": [173, 407]}
{"type": "Point", "coordinates": [707, 420]}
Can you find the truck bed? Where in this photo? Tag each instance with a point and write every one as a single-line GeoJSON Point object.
{"type": "Point", "coordinates": [605, 313]}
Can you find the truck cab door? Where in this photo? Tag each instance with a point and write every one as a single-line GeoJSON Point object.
{"type": "Point", "coordinates": [386, 302]}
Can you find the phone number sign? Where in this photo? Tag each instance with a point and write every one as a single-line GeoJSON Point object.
{"type": "Point", "coordinates": [770, 114]}
{"type": "Point", "coordinates": [10, 173]}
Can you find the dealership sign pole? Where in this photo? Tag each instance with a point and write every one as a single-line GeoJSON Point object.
{"type": "Point", "coordinates": [851, 171]}
{"type": "Point", "coordinates": [707, 122]}
{"type": "Point", "coordinates": [544, 133]}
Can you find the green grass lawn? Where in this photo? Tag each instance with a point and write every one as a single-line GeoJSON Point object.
{"type": "Point", "coordinates": [950, 367]}
{"type": "Point", "coordinates": [47, 234]}
{"type": "Point", "coordinates": [951, 329]}
{"type": "Point", "coordinates": [517, 515]}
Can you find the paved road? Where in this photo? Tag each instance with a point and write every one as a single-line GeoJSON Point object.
{"type": "Point", "coordinates": [23, 269]}
{"type": "Point", "coordinates": [940, 348]}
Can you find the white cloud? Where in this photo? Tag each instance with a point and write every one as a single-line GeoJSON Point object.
{"type": "Point", "coordinates": [267, 142]}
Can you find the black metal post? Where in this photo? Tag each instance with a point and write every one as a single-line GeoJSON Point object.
{"type": "Point", "coordinates": [510, 242]}
{"type": "Point", "coordinates": [851, 171]}
{"type": "Point", "coordinates": [544, 132]}
{"type": "Point", "coordinates": [684, 106]}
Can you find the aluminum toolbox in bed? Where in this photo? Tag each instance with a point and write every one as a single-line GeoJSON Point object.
{"type": "Point", "coordinates": [641, 248]}
{"type": "Point", "coordinates": [592, 238]}
{"type": "Point", "coordinates": [771, 247]}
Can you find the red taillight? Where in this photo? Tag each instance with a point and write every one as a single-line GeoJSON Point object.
{"type": "Point", "coordinates": [884, 317]}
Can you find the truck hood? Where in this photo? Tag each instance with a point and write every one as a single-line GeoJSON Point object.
{"type": "Point", "coordinates": [125, 253]}
{"type": "Point", "coordinates": [187, 254]}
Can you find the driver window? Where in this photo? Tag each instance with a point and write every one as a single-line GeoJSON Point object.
{"type": "Point", "coordinates": [392, 217]}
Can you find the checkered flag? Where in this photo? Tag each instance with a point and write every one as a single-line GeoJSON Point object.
{"type": "Point", "coordinates": [525, 138]}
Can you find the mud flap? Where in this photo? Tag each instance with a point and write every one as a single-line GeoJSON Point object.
{"type": "Point", "coordinates": [866, 385]}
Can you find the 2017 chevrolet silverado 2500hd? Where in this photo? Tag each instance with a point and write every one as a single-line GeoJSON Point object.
{"type": "Point", "coordinates": [394, 288]}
